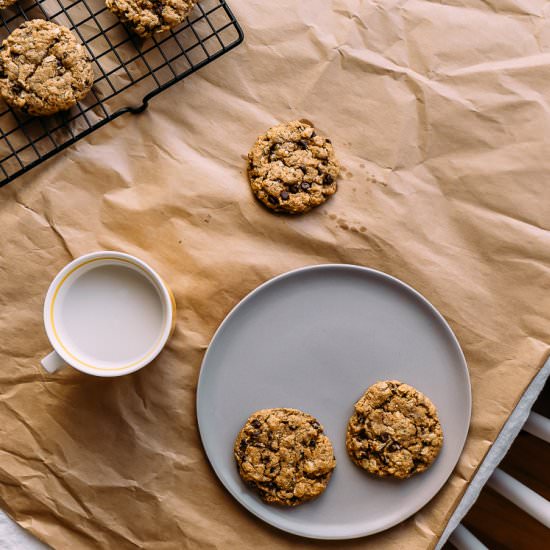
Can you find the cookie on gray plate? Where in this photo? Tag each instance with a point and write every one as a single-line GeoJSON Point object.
{"type": "Point", "coordinates": [285, 456]}
{"type": "Point", "coordinates": [43, 69]}
{"type": "Point", "coordinates": [394, 431]}
{"type": "Point", "coordinates": [147, 17]}
{"type": "Point", "coordinates": [292, 169]}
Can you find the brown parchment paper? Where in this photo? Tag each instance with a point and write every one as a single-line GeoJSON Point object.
{"type": "Point", "coordinates": [439, 113]}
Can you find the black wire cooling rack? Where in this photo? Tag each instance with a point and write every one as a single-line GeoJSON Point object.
{"type": "Point", "coordinates": [120, 61]}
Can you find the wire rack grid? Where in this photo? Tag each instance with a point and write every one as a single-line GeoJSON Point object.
{"type": "Point", "coordinates": [120, 60]}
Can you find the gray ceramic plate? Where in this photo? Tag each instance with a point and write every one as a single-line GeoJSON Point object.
{"type": "Point", "coordinates": [315, 339]}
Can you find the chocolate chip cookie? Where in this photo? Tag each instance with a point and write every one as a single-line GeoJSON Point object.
{"type": "Point", "coordinates": [147, 17]}
{"type": "Point", "coordinates": [43, 69]}
{"type": "Point", "coordinates": [285, 456]}
{"type": "Point", "coordinates": [394, 431]}
{"type": "Point", "coordinates": [292, 169]}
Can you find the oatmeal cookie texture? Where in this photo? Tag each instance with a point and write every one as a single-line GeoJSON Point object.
{"type": "Point", "coordinates": [285, 456]}
{"type": "Point", "coordinates": [394, 431]}
{"type": "Point", "coordinates": [43, 69]}
{"type": "Point", "coordinates": [146, 17]}
{"type": "Point", "coordinates": [292, 169]}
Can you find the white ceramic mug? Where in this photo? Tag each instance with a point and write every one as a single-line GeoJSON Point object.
{"type": "Point", "coordinates": [107, 314]}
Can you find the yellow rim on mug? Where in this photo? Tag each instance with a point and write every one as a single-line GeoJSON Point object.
{"type": "Point", "coordinates": [133, 364]}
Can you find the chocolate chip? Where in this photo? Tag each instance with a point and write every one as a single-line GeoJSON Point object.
{"type": "Point", "coordinates": [315, 425]}
{"type": "Point", "coordinates": [303, 169]}
{"type": "Point", "coordinates": [302, 144]}
{"type": "Point", "coordinates": [312, 444]}
{"type": "Point", "coordinates": [284, 195]}
{"type": "Point", "coordinates": [157, 8]}
{"type": "Point", "coordinates": [328, 140]}
{"type": "Point", "coordinates": [313, 134]}
{"type": "Point", "coordinates": [272, 199]}
{"type": "Point", "coordinates": [294, 189]}
{"type": "Point", "coordinates": [305, 185]}
{"type": "Point", "coordinates": [328, 179]}
{"type": "Point", "coordinates": [243, 445]}
{"type": "Point", "coordinates": [256, 423]}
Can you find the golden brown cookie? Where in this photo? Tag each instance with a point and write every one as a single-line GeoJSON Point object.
{"type": "Point", "coordinates": [43, 69]}
{"type": "Point", "coordinates": [285, 456]}
{"type": "Point", "coordinates": [292, 169]}
{"type": "Point", "coordinates": [147, 17]}
{"type": "Point", "coordinates": [394, 431]}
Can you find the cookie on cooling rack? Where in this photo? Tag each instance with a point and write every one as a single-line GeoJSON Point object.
{"type": "Point", "coordinates": [43, 69]}
{"type": "Point", "coordinates": [147, 17]}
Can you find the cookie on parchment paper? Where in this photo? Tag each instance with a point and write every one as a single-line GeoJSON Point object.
{"type": "Point", "coordinates": [292, 169]}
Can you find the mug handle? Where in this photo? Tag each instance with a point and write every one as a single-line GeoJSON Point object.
{"type": "Point", "coordinates": [53, 362]}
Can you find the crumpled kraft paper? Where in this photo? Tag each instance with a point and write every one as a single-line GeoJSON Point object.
{"type": "Point", "coordinates": [439, 115]}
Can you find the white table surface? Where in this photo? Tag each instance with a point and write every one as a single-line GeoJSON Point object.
{"type": "Point", "coordinates": [13, 537]}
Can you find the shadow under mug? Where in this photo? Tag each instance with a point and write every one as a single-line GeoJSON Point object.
{"type": "Point", "coordinates": [107, 314]}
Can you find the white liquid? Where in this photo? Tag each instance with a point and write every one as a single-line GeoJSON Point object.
{"type": "Point", "coordinates": [110, 315]}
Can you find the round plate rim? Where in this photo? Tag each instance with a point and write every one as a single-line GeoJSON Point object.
{"type": "Point", "coordinates": [332, 267]}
